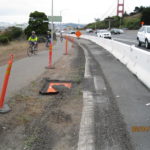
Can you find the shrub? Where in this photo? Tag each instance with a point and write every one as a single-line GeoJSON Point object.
{"type": "Point", "coordinates": [132, 23]}
{"type": "Point", "coordinates": [4, 39]}
{"type": "Point", "coordinates": [13, 33]}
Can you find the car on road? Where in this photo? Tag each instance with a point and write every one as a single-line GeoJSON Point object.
{"type": "Point", "coordinates": [89, 30]}
{"type": "Point", "coordinates": [72, 32]}
{"type": "Point", "coordinates": [143, 36]}
{"type": "Point", "coordinates": [104, 34]}
{"type": "Point", "coordinates": [116, 31]}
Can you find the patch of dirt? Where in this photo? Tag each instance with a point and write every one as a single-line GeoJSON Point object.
{"type": "Point", "coordinates": [39, 122]}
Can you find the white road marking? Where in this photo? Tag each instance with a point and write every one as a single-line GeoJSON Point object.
{"type": "Point", "coordinates": [87, 73]}
{"type": "Point", "coordinates": [87, 132]}
{"type": "Point", "coordinates": [125, 40]}
{"type": "Point", "coordinates": [148, 104]}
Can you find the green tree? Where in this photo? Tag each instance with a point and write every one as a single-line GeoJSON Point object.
{"type": "Point", "coordinates": [38, 22]}
{"type": "Point", "coordinates": [132, 23]}
{"type": "Point", "coordinates": [139, 9]}
{"type": "Point", "coordinates": [146, 16]}
{"type": "Point", "coordinates": [97, 19]}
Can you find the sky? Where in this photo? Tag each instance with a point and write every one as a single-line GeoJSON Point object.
{"type": "Point", "coordinates": [75, 11]}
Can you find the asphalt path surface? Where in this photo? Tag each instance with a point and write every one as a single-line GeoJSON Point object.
{"type": "Point", "coordinates": [28, 69]}
{"type": "Point", "coordinates": [120, 102]}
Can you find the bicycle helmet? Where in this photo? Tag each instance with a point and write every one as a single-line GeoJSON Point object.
{"type": "Point", "coordinates": [33, 32]}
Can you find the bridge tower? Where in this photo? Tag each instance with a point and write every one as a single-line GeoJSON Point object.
{"type": "Point", "coordinates": [120, 8]}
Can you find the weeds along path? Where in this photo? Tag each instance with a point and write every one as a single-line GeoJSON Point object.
{"type": "Point", "coordinates": [18, 48]}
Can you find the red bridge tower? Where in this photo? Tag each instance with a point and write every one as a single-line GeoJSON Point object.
{"type": "Point", "coordinates": [120, 8]}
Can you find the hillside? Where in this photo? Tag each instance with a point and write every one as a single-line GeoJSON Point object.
{"type": "Point", "coordinates": [130, 22]}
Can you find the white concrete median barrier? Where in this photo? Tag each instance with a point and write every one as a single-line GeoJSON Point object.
{"type": "Point", "coordinates": [135, 59]}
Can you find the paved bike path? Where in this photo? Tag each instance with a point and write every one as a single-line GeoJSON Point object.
{"type": "Point", "coordinates": [28, 69]}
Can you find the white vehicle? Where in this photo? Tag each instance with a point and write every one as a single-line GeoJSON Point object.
{"type": "Point", "coordinates": [143, 36]}
{"type": "Point", "coordinates": [104, 34]}
{"type": "Point", "coordinates": [116, 31]}
{"type": "Point", "coordinates": [120, 31]}
{"type": "Point", "coordinates": [89, 30]}
{"type": "Point", "coordinates": [72, 32]}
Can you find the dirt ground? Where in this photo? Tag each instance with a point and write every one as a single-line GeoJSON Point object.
{"type": "Point", "coordinates": [39, 122]}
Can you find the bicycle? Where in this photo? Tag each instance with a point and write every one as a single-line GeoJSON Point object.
{"type": "Point", "coordinates": [32, 50]}
{"type": "Point", "coordinates": [61, 38]}
{"type": "Point", "coordinates": [48, 41]}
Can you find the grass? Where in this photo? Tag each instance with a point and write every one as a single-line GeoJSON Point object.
{"type": "Point", "coordinates": [23, 119]}
{"type": "Point", "coordinates": [18, 48]}
{"type": "Point", "coordinates": [29, 141]}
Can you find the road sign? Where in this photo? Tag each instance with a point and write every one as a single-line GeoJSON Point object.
{"type": "Point", "coordinates": [142, 22]}
{"type": "Point", "coordinates": [78, 34]}
{"type": "Point", "coordinates": [55, 18]}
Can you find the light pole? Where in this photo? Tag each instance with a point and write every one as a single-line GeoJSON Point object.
{"type": "Point", "coordinates": [52, 25]}
{"type": "Point", "coordinates": [61, 20]}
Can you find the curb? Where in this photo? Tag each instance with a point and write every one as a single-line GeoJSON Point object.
{"type": "Point", "coordinates": [87, 131]}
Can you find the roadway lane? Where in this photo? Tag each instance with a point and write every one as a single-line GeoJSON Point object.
{"type": "Point", "coordinates": [120, 104]}
{"type": "Point", "coordinates": [128, 37]}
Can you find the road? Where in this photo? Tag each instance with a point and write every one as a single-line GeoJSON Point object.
{"type": "Point", "coordinates": [119, 100]}
{"type": "Point", "coordinates": [128, 37]}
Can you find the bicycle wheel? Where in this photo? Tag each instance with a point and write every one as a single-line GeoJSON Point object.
{"type": "Point", "coordinates": [61, 39]}
{"type": "Point", "coordinates": [29, 51]}
{"type": "Point", "coordinates": [35, 51]}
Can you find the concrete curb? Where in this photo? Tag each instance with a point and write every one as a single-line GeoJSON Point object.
{"type": "Point", "coordinates": [87, 132]}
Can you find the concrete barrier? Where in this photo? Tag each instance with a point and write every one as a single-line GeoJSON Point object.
{"type": "Point", "coordinates": [135, 59]}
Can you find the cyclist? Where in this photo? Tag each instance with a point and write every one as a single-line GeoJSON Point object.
{"type": "Point", "coordinates": [48, 38]}
{"type": "Point", "coordinates": [61, 36]}
{"type": "Point", "coordinates": [33, 39]}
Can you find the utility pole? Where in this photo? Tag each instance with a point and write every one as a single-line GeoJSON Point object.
{"type": "Point", "coordinates": [109, 19]}
{"type": "Point", "coordinates": [60, 23]}
{"type": "Point", "coordinates": [52, 30]}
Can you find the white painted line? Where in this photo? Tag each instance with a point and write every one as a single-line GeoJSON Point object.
{"type": "Point", "coordinates": [87, 73]}
{"type": "Point", "coordinates": [148, 104]}
{"type": "Point", "coordinates": [95, 83]}
{"type": "Point", "coordinates": [87, 132]}
{"type": "Point", "coordinates": [131, 41]}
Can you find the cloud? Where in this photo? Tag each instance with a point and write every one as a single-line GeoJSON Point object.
{"type": "Point", "coordinates": [82, 10]}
